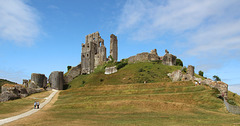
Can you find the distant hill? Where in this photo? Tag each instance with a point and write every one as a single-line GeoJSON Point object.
{"type": "Point", "coordinates": [4, 81]}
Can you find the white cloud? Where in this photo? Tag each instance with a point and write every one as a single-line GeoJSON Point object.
{"type": "Point", "coordinates": [234, 88]}
{"type": "Point", "coordinates": [19, 21]}
{"type": "Point", "coordinates": [208, 29]}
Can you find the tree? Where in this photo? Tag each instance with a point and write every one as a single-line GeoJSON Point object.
{"type": "Point", "coordinates": [179, 62]}
{"type": "Point", "coordinates": [216, 78]}
{"type": "Point", "coordinates": [200, 73]}
{"type": "Point", "coordinates": [69, 67]}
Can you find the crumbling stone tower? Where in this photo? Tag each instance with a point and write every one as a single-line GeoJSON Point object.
{"type": "Point", "coordinates": [190, 70]}
{"type": "Point", "coordinates": [39, 79]}
{"type": "Point", "coordinates": [169, 59]}
{"type": "Point", "coordinates": [114, 47]}
{"type": "Point", "coordinates": [93, 53]}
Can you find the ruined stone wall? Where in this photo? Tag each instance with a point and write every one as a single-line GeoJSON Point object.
{"type": "Point", "coordinates": [39, 79]}
{"type": "Point", "coordinates": [110, 70]}
{"type": "Point", "coordinates": [221, 86]}
{"type": "Point", "coordinates": [114, 47]}
{"type": "Point", "coordinates": [56, 80]}
{"type": "Point", "coordinates": [190, 70]}
{"type": "Point", "coordinates": [143, 57]}
{"type": "Point", "coordinates": [15, 91]}
{"type": "Point", "coordinates": [93, 53]}
{"type": "Point", "coordinates": [73, 72]}
{"type": "Point", "coordinates": [169, 59]}
{"type": "Point", "coordinates": [232, 108]}
{"type": "Point", "coordinates": [25, 82]}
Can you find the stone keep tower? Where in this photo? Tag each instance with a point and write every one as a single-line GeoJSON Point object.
{"type": "Point", "coordinates": [93, 53]}
{"type": "Point", "coordinates": [114, 47]}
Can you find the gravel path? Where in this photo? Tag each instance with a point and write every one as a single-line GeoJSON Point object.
{"type": "Point", "coordinates": [13, 118]}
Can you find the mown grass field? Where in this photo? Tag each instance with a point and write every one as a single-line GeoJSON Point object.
{"type": "Point", "coordinates": [123, 99]}
{"type": "Point", "coordinates": [162, 103]}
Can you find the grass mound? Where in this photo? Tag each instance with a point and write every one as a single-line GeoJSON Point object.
{"type": "Point", "coordinates": [149, 72]}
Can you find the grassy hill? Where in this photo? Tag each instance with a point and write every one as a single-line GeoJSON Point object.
{"type": "Point", "coordinates": [123, 99]}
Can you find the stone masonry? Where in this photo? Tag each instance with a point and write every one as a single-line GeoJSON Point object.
{"type": "Point", "coordinates": [93, 53]}
{"type": "Point", "coordinates": [25, 83]}
{"type": "Point", "coordinates": [145, 56]}
{"type": "Point", "coordinates": [56, 80]}
{"type": "Point", "coordinates": [169, 59]}
{"type": "Point", "coordinates": [110, 70]}
{"type": "Point", "coordinates": [114, 47]}
{"type": "Point", "coordinates": [39, 79]}
{"type": "Point", "coordinates": [190, 70]}
{"type": "Point", "coordinates": [73, 72]}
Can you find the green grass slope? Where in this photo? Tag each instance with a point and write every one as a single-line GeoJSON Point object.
{"type": "Point", "coordinates": [131, 73]}
{"type": "Point", "coordinates": [123, 99]}
{"type": "Point", "coordinates": [162, 103]}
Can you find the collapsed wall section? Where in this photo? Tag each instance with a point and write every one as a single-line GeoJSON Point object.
{"type": "Point", "coordinates": [39, 79]}
{"type": "Point", "coordinates": [56, 80]}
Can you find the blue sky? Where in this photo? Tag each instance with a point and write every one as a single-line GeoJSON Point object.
{"type": "Point", "coordinates": [41, 36]}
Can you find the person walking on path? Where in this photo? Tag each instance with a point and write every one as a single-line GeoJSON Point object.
{"type": "Point", "coordinates": [38, 105]}
{"type": "Point", "coordinates": [196, 83]}
{"type": "Point", "coordinates": [35, 104]}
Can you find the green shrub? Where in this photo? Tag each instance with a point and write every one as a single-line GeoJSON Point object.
{"type": "Point", "coordinates": [184, 69]}
{"type": "Point", "coordinates": [69, 67]}
{"type": "Point", "coordinates": [179, 62]}
{"type": "Point", "coordinates": [200, 73]}
{"type": "Point", "coordinates": [83, 82]}
{"type": "Point", "coordinates": [216, 78]}
{"type": "Point", "coordinates": [231, 101]}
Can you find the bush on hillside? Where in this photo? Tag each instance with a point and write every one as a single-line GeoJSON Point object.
{"type": "Point", "coordinates": [216, 78]}
{"type": "Point", "coordinates": [69, 67]}
{"type": "Point", "coordinates": [184, 69]}
{"type": "Point", "coordinates": [179, 62]}
{"type": "Point", "coordinates": [231, 101]}
{"type": "Point", "coordinates": [200, 73]}
{"type": "Point", "coordinates": [122, 64]}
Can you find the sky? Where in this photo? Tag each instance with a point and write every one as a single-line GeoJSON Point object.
{"type": "Point", "coordinates": [41, 36]}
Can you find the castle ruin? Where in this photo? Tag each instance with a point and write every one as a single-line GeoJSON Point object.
{"type": "Point", "coordinates": [114, 47]}
{"type": "Point", "coordinates": [94, 52]}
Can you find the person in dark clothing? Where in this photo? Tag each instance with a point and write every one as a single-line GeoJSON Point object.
{"type": "Point", "coordinates": [38, 105]}
{"type": "Point", "coordinates": [35, 104]}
